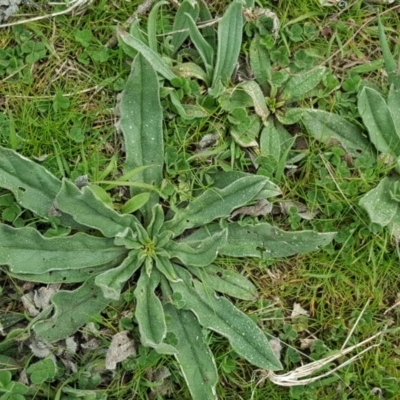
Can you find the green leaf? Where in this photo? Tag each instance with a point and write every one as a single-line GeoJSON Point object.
{"type": "Point", "coordinates": [152, 58]}
{"type": "Point", "coordinates": [378, 120]}
{"type": "Point", "coordinates": [390, 62]}
{"type": "Point", "coordinates": [157, 220]}
{"type": "Point", "coordinates": [188, 8]}
{"type": "Point", "coordinates": [254, 91]}
{"type": "Point", "coordinates": [191, 70]}
{"type": "Point", "coordinates": [67, 276]}
{"type": "Point", "coordinates": [226, 178]}
{"type": "Point", "coordinates": [260, 63]}
{"type": "Point", "coordinates": [270, 141]}
{"type": "Point", "coordinates": [198, 253]}
{"type": "Point", "coordinates": [216, 203]}
{"type": "Point", "coordinates": [166, 268]}
{"type": "Point", "coordinates": [26, 251]}
{"type": "Point", "coordinates": [393, 103]}
{"type": "Point", "coordinates": [149, 311]}
{"type": "Point", "coordinates": [379, 204]}
{"type": "Point", "coordinates": [87, 209]}
{"type": "Point", "coordinates": [33, 186]}
{"type": "Point", "coordinates": [328, 127]}
{"type": "Point", "coordinates": [141, 124]}
{"type": "Point", "coordinates": [218, 314]}
{"type": "Point", "coordinates": [246, 132]}
{"type": "Point", "coordinates": [208, 31]}
{"type": "Point", "coordinates": [152, 25]}
{"type": "Point", "coordinates": [194, 356]}
{"type": "Point", "coordinates": [264, 240]}
{"type": "Point", "coordinates": [73, 309]}
{"type": "Point", "coordinates": [297, 87]}
{"type": "Point", "coordinates": [205, 50]}
{"type": "Point", "coordinates": [230, 30]}
{"type": "Point", "coordinates": [135, 203]}
{"type": "Point", "coordinates": [112, 281]}
{"type": "Point", "coordinates": [225, 281]}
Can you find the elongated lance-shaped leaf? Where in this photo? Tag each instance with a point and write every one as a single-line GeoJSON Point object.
{"type": "Point", "coordinates": [378, 119]}
{"type": "Point", "coordinates": [26, 251]}
{"type": "Point", "coordinates": [379, 203]}
{"type": "Point", "coordinates": [223, 179]}
{"type": "Point", "coordinates": [33, 186]}
{"type": "Point", "coordinates": [393, 103]}
{"type": "Point", "coordinates": [166, 268]}
{"type": "Point", "coordinates": [203, 47]}
{"type": "Point", "coordinates": [69, 275]}
{"type": "Point", "coordinates": [194, 356]}
{"type": "Point", "coordinates": [264, 240]}
{"type": "Point", "coordinates": [253, 89]}
{"type": "Point", "coordinates": [216, 203]}
{"type": "Point", "coordinates": [72, 309]}
{"type": "Point", "coordinates": [328, 127]}
{"type": "Point", "coordinates": [390, 62]}
{"type": "Point", "coordinates": [225, 281]}
{"type": "Point", "coordinates": [218, 314]}
{"type": "Point", "coordinates": [199, 253]}
{"type": "Point", "coordinates": [191, 70]}
{"type": "Point", "coordinates": [111, 282]}
{"type": "Point", "coordinates": [152, 57]}
{"type": "Point", "coordinates": [260, 63]}
{"type": "Point", "coordinates": [152, 23]}
{"type": "Point", "coordinates": [149, 311]}
{"type": "Point", "coordinates": [180, 27]}
{"type": "Point", "coordinates": [157, 221]}
{"type": "Point", "coordinates": [297, 87]}
{"type": "Point", "coordinates": [208, 31]}
{"type": "Point", "coordinates": [230, 30]}
{"type": "Point", "coordinates": [141, 124]}
{"type": "Point", "coordinates": [87, 209]}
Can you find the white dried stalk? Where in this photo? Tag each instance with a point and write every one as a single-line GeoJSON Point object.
{"type": "Point", "coordinates": [73, 5]}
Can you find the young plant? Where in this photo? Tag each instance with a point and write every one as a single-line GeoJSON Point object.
{"type": "Point", "coordinates": [257, 109]}
{"type": "Point", "coordinates": [167, 254]}
{"type": "Point", "coordinates": [381, 119]}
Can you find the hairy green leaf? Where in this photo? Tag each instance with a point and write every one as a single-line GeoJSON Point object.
{"type": "Point", "coordinates": [194, 356]}
{"type": "Point", "coordinates": [141, 124]}
{"type": "Point", "coordinates": [226, 178]}
{"type": "Point", "coordinates": [188, 8]}
{"type": "Point", "coordinates": [229, 42]}
{"type": "Point", "coordinates": [205, 50]}
{"type": "Point", "coordinates": [152, 58]}
{"type": "Point", "coordinates": [379, 203]}
{"type": "Point", "coordinates": [73, 309]}
{"type": "Point", "coordinates": [152, 25]}
{"type": "Point", "coordinates": [264, 240]}
{"type": "Point", "coordinates": [216, 203]}
{"type": "Point", "coordinates": [26, 251]}
{"type": "Point", "coordinates": [297, 87]}
{"type": "Point", "coordinates": [377, 118]}
{"type": "Point", "coordinates": [260, 63]}
{"type": "Point", "coordinates": [328, 128]}
{"type": "Point", "coordinates": [225, 281]}
{"type": "Point", "coordinates": [149, 311]}
{"type": "Point", "coordinates": [199, 253]}
{"type": "Point", "coordinates": [87, 209]}
{"type": "Point", "coordinates": [220, 315]}
{"type": "Point", "coordinates": [253, 89]}
{"type": "Point", "coordinates": [33, 186]}
{"type": "Point", "coordinates": [112, 281]}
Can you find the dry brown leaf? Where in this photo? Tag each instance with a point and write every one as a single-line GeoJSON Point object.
{"type": "Point", "coordinates": [121, 348]}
